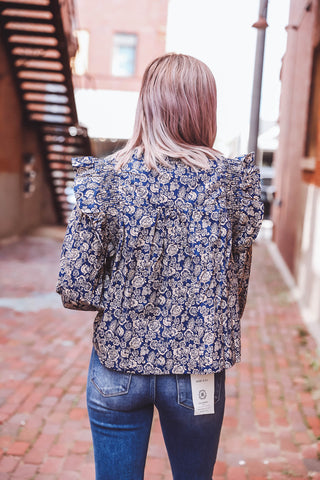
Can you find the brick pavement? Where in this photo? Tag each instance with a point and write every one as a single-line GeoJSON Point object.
{"type": "Point", "coordinates": [272, 423]}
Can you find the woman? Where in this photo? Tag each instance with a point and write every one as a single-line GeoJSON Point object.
{"type": "Point", "coordinates": [159, 244]}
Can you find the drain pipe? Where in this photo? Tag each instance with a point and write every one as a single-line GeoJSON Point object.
{"type": "Point", "coordinates": [261, 26]}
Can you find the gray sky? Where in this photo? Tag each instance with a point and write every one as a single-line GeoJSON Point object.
{"type": "Point", "coordinates": [219, 32]}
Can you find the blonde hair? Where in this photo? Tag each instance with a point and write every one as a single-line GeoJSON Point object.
{"type": "Point", "coordinates": [176, 114]}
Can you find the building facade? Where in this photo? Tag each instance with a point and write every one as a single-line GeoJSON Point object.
{"type": "Point", "coordinates": [116, 42]}
{"type": "Point", "coordinates": [296, 211]}
{"type": "Point", "coordinates": [25, 197]}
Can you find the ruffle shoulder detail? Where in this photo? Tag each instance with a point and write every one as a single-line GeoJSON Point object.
{"type": "Point", "coordinates": [245, 175]}
{"type": "Point", "coordinates": [245, 199]}
{"type": "Point", "coordinates": [95, 183]}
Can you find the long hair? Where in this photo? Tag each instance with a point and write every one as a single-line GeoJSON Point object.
{"type": "Point", "coordinates": [176, 114]}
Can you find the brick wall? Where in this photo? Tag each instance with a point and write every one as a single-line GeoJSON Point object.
{"type": "Point", "coordinates": [313, 128]}
{"type": "Point", "coordinates": [145, 18]}
{"type": "Point", "coordinates": [288, 211]}
{"type": "Point", "coordinates": [18, 212]}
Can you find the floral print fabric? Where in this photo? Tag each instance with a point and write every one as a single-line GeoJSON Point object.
{"type": "Point", "coordinates": [164, 257]}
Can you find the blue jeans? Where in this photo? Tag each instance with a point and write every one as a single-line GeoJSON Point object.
{"type": "Point", "coordinates": [120, 410]}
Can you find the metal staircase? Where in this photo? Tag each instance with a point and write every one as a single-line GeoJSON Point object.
{"type": "Point", "coordinates": [38, 50]}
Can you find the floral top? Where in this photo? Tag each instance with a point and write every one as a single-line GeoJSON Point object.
{"type": "Point", "coordinates": [164, 257]}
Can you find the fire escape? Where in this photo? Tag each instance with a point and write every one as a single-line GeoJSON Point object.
{"type": "Point", "coordinates": [38, 48]}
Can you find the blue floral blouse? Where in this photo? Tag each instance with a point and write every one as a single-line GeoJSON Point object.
{"type": "Point", "coordinates": [164, 258]}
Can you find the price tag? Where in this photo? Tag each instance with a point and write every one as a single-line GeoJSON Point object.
{"type": "Point", "coordinates": [202, 387]}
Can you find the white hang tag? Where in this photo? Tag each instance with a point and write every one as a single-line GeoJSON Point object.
{"type": "Point", "coordinates": [202, 387]}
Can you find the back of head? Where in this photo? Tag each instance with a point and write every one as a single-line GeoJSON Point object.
{"type": "Point", "coordinates": [176, 113]}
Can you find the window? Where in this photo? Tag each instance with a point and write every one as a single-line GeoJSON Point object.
{"type": "Point", "coordinates": [267, 158]}
{"type": "Point", "coordinates": [29, 174]}
{"type": "Point", "coordinates": [124, 54]}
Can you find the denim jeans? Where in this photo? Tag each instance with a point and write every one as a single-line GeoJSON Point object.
{"type": "Point", "coordinates": [120, 410]}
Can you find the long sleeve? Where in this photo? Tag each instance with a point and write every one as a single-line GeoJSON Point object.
{"type": "Point", "coordinates": [246, 215]}
{"type": "Point", "coordinates": [82, 264]}
{"type": "Point", "coordinates": [89, 242]}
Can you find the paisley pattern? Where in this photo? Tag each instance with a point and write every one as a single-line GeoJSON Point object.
{"type": "Point", "coordinates": [164, 257]}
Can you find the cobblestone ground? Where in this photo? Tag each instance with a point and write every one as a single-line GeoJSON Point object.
{"type": "Point", "coordinates": [272, 424]}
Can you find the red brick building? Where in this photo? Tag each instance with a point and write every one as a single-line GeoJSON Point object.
{"type": "Point", "coordinates": [21, 208]}
{"type": "Point", "coordinates": [36, 114]}
{"type": "Point", "coordinates": [136, 30]}
{"type": "Point", "coordinates": [117, 39]}
{"type": "Point", "coordinates": [296, 212]}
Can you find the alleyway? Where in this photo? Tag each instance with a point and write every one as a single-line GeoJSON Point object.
{"type": "Point", "coordinates": [272, 421]}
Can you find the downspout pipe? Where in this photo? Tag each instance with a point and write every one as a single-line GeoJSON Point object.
{"type": "Point", "coordinates": [261, 26]}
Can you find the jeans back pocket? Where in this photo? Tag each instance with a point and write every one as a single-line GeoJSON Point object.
{"type": "Point", "coordinates": [109, 383]}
